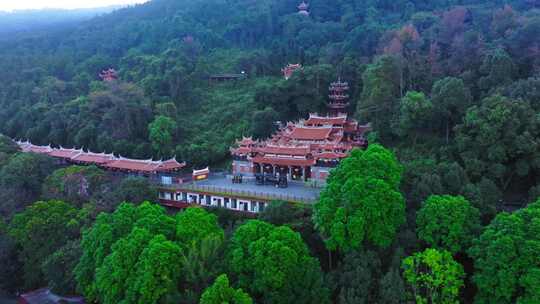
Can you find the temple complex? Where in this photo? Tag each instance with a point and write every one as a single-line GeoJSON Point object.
{"type": "Point", "coordinates": [305, 150]}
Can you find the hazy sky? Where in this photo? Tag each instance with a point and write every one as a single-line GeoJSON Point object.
{"type": "Point", "coordinates": [9, 5]}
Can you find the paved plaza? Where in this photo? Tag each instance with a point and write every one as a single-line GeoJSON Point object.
{"type": "Point", "coordinates": [296, 192]}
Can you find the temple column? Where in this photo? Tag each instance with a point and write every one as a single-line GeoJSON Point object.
{"type": "Point", "coordinates": [289, 173]}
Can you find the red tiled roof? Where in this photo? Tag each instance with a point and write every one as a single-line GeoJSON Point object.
{"type": "Point", "coordinates": [146, 166]}
{"type": "Point", "coordinates": [93, 158]}
{"type": "Point", "coordinates": [305, 133]}
{"type": "Point", "coordinates": [133, 165]}
{"type": "Point", "coordinates": [246, 141]}
{"type": "Point", "coordinates": [284, 161]}
{"type": "Point", "coordinates": [30, 148]}
{"type": "Point", "coordinates": [319, 120]}
{"type": "Point", "coordinates": [171, 165]}
{"type": "Point", "coordinates": [285, 150]}
{"type": "Point", "coordinates": [241, 150]}
{"type": "Point", "coordinates": [105, 160]}
{"type": "Point", "coordinates": [65, 153]}
{"type": "Point", "coordinates": [329, 155]}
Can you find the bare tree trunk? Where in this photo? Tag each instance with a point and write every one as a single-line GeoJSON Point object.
{"type": "Point", "coordinates": [447, 131]}
{"type": "Point", "coordinates": [329, 260]}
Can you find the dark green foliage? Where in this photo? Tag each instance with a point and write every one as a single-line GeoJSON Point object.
{"type": "Point", "coordinates": [450, 99]}
{"type": "Point", "coordinates": [506, 258]}
{"type": "Point", "coordinates": [58, 268]}
{"type": "Point", "coordinates": [357, 278]}
{"type": "Point", "coordinates": [74, 184]}
{"type": "Point", "coordinates": [450, 86]}
{"type": "Point", "coordinates": [39, 231]}
{"type": "Point", "coordinates": [414, 113]}
{"type": "Point", "coordinates": [20, 181]}
{"type": "Point", "coordinates": [134, 190]}
{"type": "Point", "coordinates": [7, 148]}
{"type": "Point", "coordinates": [10, 277]}
{"type": "Point", "coordinates": [280, 213]}
{"type": "Point", "coordinates": [496, 141]}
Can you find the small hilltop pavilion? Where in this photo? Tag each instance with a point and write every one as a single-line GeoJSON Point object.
{"type": "Point", "coordinates": [305, 150]}
{"type": "Point", "coordinates": [303, 9]}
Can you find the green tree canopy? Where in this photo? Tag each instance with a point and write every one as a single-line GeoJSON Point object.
{"type": "Point", "coordinates": [221, 292]}
{"type": "Point", "coordinates": [497, 140]}
{"type": "Point", "coordinates": [58, 268]}
{"type": "Point", "coordinates": [381, 93]}
{"type": "Point", "coordinates": [156, 273]}
{"type": "Point", "coordinates": [361, 201]}
{"type": "Point", "coordinates": [506, 258]}
{"type": "Point", "coordinates": [75, 184]}
{"type": "Point", "coordinates": [39, 231]}
{"type": "Point", "coordinates": [161, 133]}
{"type": "Point", "coordinates": [21, 178]}
{"type": "Point", "coordinates": [273, 264]}
{"type": "Point", "coordinates": [450, 100]}
{"type": "Point", "coordinates": [356, 277]}
{"type": "Point", "coordinates": [98, 242]}
{"type": "Point", "coordinates": [196, 224]}
{"type": "Point", "coordinates": [434, 277]}
{"type": "Point", "coordinates": [7, 148]}
{"type": "Point", "coordinates": [415, 112]}
{"type": "Point", "coordinates": [448, 223]}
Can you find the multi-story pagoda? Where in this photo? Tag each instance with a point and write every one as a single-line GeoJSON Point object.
{"type": "Point", "coordinates": [108, 75]}
{"type": "Point", "coordinates": [305, 150]}
{"type": "Point", "coordinates": [303, 9]}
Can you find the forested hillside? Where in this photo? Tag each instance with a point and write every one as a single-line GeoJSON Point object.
{"type": "Point", "coordinates": [430, 76]}
{"type": "Point", "coordinates": [451, 88]}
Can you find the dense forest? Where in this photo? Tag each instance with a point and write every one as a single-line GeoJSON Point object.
{"type": "Point", "coordinates": [439, 209]}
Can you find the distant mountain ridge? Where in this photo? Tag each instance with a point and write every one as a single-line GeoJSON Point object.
{"type": "Point", "coordinates": [39, 19]}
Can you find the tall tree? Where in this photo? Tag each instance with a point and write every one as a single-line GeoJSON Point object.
{"type": "Point", "coordinates": [20, 181]}
{"type": "Point", "coordinates": [273, 264]}
{"type": "Point", "coordinates": [361, 202]}
{"type": "Point", "coordinates": [434, 276]}
{"type": "Point", "coordinates": [381, 93]}
{"type": "Point", "coordinates": [221, 292]}
{"type": "Point", "coordinates": [448, 223]}
{"type": "Point", "coordinates": [39, 231]}
{"type": "Point", "coordinates": [496, 140]}
{"type": "Point", "coordinates": [414, 114]}
{"type": "Point", "coordinates": [450, 99]}
{"type": "Point", "coordinates": [196, 224]}
{"type": "Point", "coordinates": [506, 258]}
{"type": "Point", "coordinates": [156, 273]}
{"type": "Point", "coordinates": [161, 133]}
{"type": "Point", "coordinates": [98, 242]}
